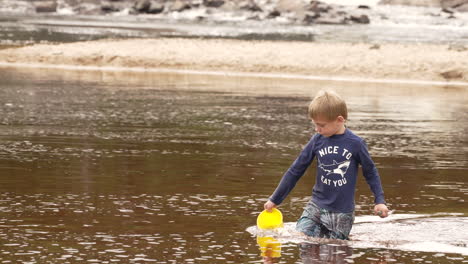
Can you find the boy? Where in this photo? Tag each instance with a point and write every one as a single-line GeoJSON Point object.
{"type": "Point", "coordinates": [330, 212]}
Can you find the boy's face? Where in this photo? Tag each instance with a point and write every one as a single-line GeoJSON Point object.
{"type": "Point", "coordinates": [329, 128]}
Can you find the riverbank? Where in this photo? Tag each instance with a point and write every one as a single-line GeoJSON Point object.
{"type": "Point", "coordinates": [425, 62]}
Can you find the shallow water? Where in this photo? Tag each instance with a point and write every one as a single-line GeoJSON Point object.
{"type": "Point", "coordinates": [172, 168]}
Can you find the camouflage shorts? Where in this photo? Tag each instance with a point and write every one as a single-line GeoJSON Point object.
{"type": "Point", "coordinates": [318, 222]}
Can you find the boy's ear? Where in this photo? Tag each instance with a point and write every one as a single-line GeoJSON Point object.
{"type": "Point", "coordinates": [341, 119]}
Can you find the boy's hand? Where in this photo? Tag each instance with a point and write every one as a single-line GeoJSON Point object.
{"type": "Point", "coordinates": [381, 210]}
{"type": "Point", "coordinates": [269, 206]}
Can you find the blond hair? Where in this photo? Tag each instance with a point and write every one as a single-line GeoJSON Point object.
{"type": "Point", "coordinates": [328, 105]}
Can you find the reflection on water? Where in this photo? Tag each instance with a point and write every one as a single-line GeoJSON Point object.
{"type": "Point", "coordinates": [325, 253]}
{"type": "Point", "coordinates": [165, 168]}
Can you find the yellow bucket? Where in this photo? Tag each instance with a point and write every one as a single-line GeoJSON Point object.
{"type": "Point", "coordinates": [270, 220]}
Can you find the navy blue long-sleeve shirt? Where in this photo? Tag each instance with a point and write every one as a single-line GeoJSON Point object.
{"type": "Point", "coordinates": [338, 159]}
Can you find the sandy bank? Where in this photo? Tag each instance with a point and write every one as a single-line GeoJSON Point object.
{"type": "Point", "coordinates": [386, 61]}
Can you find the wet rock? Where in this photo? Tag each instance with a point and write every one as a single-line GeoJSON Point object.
{"type": "Point", "coordinates": [142, 6]}
{"type": "Point", "coordinates": [46, 6]}
{"type": "Point", "coordinates": [274, 13]}
{"type": "Point", "coordinates": [360, 19]}
{"type": "Point", "coordinates": [452, 74]}
{"type": "Point", "coordinates": [213, 3]}
{"type": "Point", "coordinates": [148, 6]}
{"type": "Point", "coordinates": [108, 7]}
{"type": "Point", "coordinates": [310, 17]}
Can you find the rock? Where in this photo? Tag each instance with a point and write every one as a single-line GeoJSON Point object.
{"type": "Point", "coordinates": [213, 3]}
{"type": "Point", "coordinates": [250, 5]}
{"type": "Point", "coordinates": [108, 7]}
{"type": "Point", "coordinates": [375, 46]}
{"type": "Point", "coordinates": [179, 6]}
{"type": "Point", "coordinates": [148, 6]}
{"type": "Point", "coordinates": [332, 18]}
{"type": "Point", "coordinates": [360, 19]}
{"type": "Point", "coordinates": [295, 6]}
{"type": "Point", "coordinates": [310, 17]}
{"type": "Point", "coordinates": [318, 7]}
{"type": "Point", "coordinates": [273, 14]}
{"type": "Point", "coordinates": [46, 6]}
{"type": "Point", "coordinates": [142, 6]}
{"type": "Point", "coordinates": [363, 7]}
{"type": "Point", "coordinates": [155, 7]}
{"type": "Point", "coordinates": [452, 74]}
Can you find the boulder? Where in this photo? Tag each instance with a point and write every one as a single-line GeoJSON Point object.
{"type": "Point", "coordinates": [46, 6]}
{"type": "Point", "coordinates": [274, 13]}
{"type": "Point", "coordinates": [142, 6]}
{"type": "Point", "coordinates": [360, 19]}
{"type": "Point", "coordinates": [179, 6]}
{"type": "Point", "coordinates": [108, 7]}
{"type": "Point", "coordinates": [155, 7]}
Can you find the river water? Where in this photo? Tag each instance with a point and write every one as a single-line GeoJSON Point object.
{"type": "Point", "coordinates": [135, 167]}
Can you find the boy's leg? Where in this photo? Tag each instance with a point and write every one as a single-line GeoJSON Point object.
{"type": "Point", "coordinates": [338, 224]}
{"type": "Point", "coordinates": [309, 222]}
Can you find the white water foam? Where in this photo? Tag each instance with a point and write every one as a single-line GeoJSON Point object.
{"type": "Point", "coordinates": [406, 232]}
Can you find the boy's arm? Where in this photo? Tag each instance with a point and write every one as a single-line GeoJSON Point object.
{"type": "Point", "coordinates": [294, 173]}
{"type": "Point", "coordinates": [371, 174]}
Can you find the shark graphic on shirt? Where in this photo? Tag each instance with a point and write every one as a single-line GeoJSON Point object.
{"type": "Point", "coordinates": [337, 168]}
